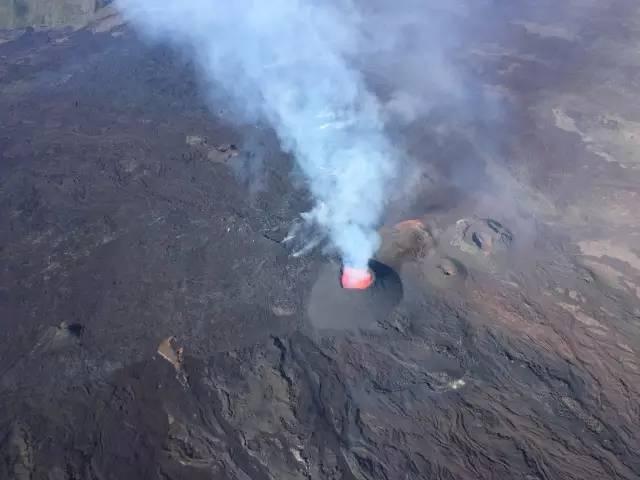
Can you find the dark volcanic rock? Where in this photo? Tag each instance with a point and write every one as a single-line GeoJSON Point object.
{"type": "Point", "coordinates": [155, 326]}
{"type": "Point", "coordinates": [47, 13]}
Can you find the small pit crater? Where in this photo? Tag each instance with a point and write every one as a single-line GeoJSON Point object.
{"type": "Point", "coordinates": [444, 272]}
{"type": "Point", "coordinates": [75, 329]}
{"type": "Point", "coordinates": [448, 267]}
{"type": "Point", "coordinates": [482, 241]}
{"type": "Point", "coordinates": [486, 236]}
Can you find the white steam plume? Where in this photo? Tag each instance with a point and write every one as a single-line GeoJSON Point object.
{"type": "Point", "coordinates": [285, 61]}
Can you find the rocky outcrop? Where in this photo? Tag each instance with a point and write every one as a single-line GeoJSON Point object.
{"type": "Point", "coordinates": [49, 13]}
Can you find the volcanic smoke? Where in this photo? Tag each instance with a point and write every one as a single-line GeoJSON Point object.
{"type": "Point", "coordinates": [285, 62]}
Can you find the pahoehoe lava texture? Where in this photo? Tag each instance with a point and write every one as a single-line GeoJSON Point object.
{"type": "Point", "coordinates": [137, 227]}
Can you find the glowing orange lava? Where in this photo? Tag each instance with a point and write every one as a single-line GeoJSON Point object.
{"type": "Point", "coordinates": [356, 278]}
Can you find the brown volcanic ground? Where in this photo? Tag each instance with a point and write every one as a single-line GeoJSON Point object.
{"type": "Point", "coordinates": [129, 214]}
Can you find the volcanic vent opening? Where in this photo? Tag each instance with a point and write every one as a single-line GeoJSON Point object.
{"type": "Point", "coordinates": [345, 298]}
{"type": "Point", "coordinates": [356, 278]}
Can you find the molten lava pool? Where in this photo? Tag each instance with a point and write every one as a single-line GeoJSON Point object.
{"type": "Point", "coordinates": [356, 278]}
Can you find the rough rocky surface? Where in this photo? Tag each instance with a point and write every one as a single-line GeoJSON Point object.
{"type": "Point", "coordinates": [155, 326]}
{"type": "Point", "coordinates": [48, 13]}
